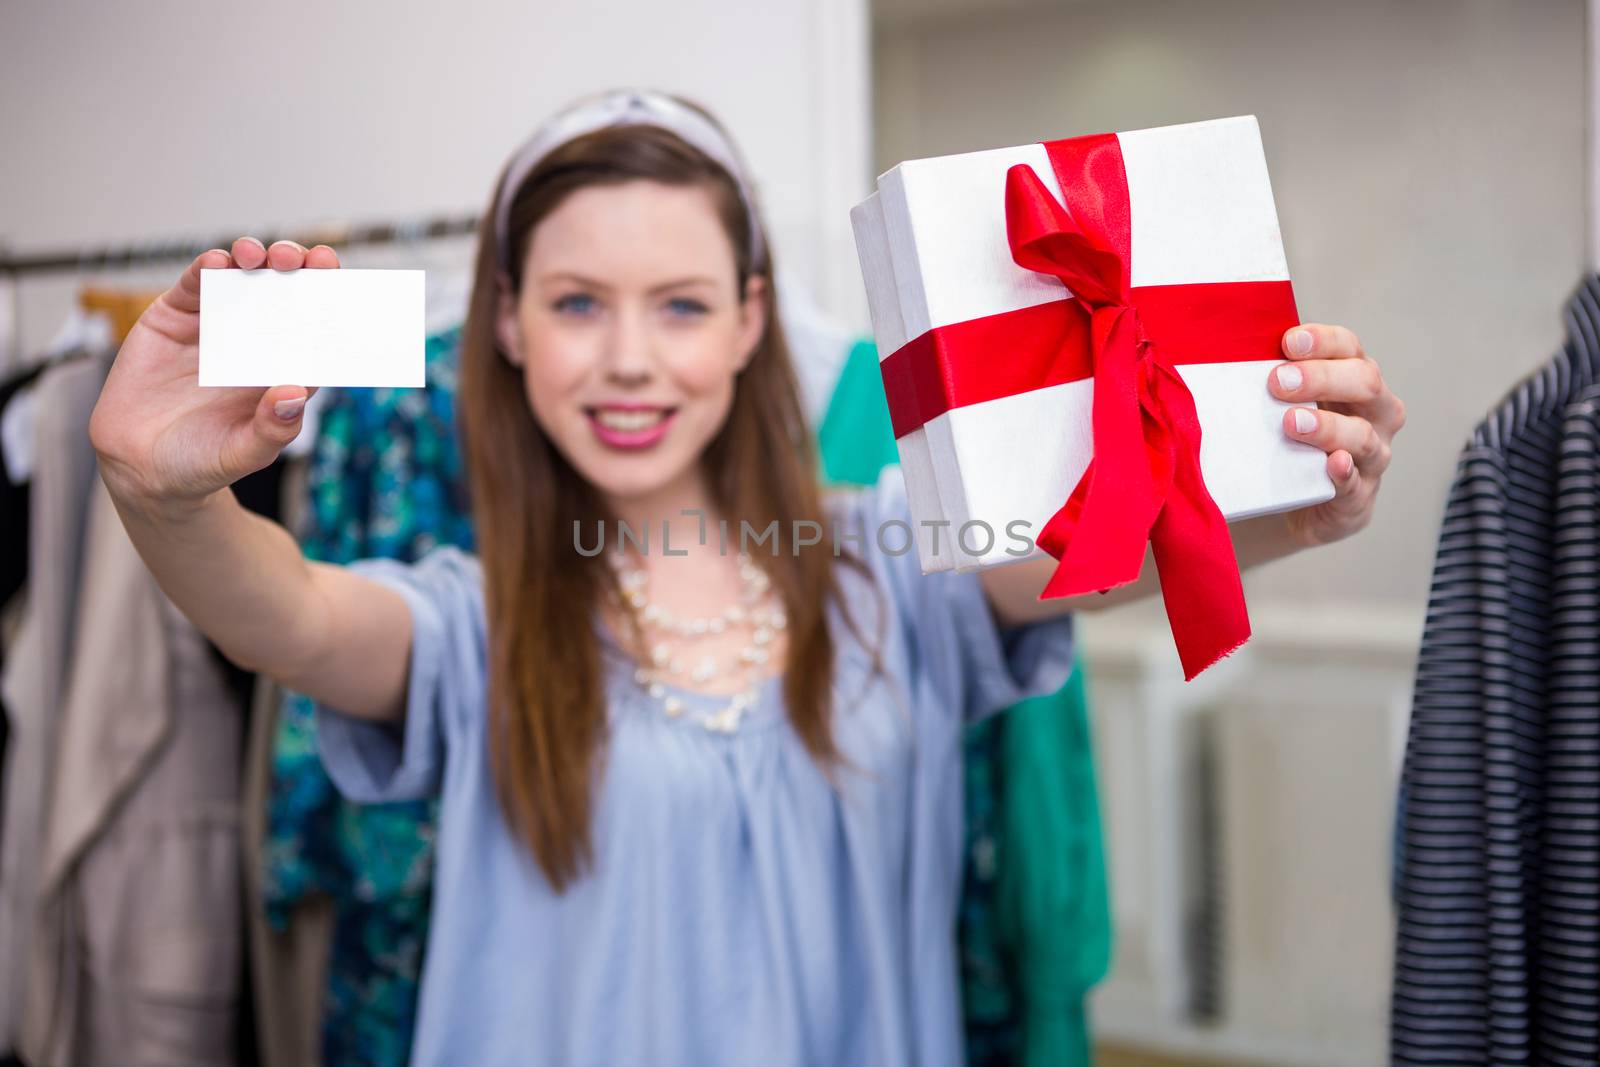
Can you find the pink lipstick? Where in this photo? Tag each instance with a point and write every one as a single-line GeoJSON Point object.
{"type": "Point", "coordinates": [629, 426]}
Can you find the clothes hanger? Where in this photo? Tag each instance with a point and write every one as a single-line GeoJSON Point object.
{"type": "Point", "coordinates": [121, 307]}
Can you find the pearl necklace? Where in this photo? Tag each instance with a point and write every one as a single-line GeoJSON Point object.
{"type": "Point", "coordinates": [756, 608]}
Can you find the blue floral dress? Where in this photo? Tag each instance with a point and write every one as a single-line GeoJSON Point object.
{"type": "Point", "coordinates": [386, 479]}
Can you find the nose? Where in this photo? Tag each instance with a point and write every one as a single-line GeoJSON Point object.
{"type": "Point", "coordinates": [629, 356]}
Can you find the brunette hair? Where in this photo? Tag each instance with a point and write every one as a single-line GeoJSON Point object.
{"type": "Point", "coordinates": [547, 721]}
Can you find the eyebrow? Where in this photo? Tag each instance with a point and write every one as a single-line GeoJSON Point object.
{"type": "Point", "coordinates": [594, 283]}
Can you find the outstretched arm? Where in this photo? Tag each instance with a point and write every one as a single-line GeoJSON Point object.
{"type": "Point", "coordinates": [169, 450]}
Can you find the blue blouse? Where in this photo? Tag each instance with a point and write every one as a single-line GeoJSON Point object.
{"type": "Point", "coordinates": [741, 909]}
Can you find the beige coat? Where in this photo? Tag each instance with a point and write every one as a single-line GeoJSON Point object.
{"type": "Point", "coordinates": [37, 660]}
{"type": "Point", "coordinates": [136, 948]}
{"type": "Point", "coordinates": [137, 954]}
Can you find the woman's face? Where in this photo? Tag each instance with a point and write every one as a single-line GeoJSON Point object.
{"type": "Point", "coordinates": [630, 331]}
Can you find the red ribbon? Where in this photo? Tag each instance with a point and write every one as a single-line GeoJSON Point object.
{"type": "Point", "coordinates": [1144, 482]}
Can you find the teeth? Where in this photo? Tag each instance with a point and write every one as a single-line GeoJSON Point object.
{"type": "Point", "coordinates": [627, 421]}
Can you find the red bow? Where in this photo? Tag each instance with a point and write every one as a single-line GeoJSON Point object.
{"type": "Point", "coordinates": [1144, 482]}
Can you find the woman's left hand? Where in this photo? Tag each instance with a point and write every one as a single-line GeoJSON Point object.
{"type": "Point", "coordinates": [1357, 418]}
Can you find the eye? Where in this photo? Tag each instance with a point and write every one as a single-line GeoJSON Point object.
{"type": "Point", "coordinates": [575, 304]}
{"type": "Point", "coordinates": [686, 307]}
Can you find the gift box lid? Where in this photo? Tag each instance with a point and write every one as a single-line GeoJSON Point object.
{"type": "Point", "coordinates": [1202, 211]}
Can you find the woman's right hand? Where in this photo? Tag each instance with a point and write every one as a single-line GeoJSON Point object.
{"type": "Point", "coordinates": [160, 436]}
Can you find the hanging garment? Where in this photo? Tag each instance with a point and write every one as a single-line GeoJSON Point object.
{"type": "Point", "coordinates": [17, 406]}
{"type": "Point", "coordinates": [1053, 899]}
{"type": "Point", "coordinates": [37, 661]}
{"type": "Point", "coordinates": [1497, 957]}
{"type": "Point", "coordinates": [386, 480]}
{"type": "Point", "coordinates": [137, 948]}
{"type": "Point", "coordinates": [1035, 920]}
{"type": "Point", "coordinates": [287, 966]}
{"type": "Point", "coordinates": [122, 933]}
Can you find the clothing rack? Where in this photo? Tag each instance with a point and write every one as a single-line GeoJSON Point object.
{"type": "Point", "coordinates": [140, 254]}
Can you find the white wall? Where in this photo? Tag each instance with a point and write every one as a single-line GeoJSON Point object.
{"type": "Point", "coordinates": [1303, 729]}
{"type": "Point", "coordinates": [161, 118]}
{"type": "Point", "coordinates": [1428, 159]}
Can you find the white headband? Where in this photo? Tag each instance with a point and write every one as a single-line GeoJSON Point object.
{"type": "Point", "coordinates": [623, 108]}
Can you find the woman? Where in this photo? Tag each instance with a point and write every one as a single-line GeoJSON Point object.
{"type": "Point", "coordinates": [697, 806]}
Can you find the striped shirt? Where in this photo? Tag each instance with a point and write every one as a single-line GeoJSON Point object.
{"type": "Point", "coordinates": [1497, 957]}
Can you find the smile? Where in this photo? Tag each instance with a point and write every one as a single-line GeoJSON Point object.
{"type": "Point", "coordinates": [629, 426]}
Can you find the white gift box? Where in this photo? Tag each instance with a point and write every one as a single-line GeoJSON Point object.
{"type": "Point", "coordinates": [934, 252]}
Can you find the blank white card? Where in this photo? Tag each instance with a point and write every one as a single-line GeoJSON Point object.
{"type": "Point", "coordinates": [312, 327]}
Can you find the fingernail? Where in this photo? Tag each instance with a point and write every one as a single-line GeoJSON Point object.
{"type": "Point", "coordinates": [1304, 420]}
{"type": "Point", "coordinates": [1300, 342]}
{"type": "Point", "coordinates": [1289, 377]}
{"type": "Point", "coordinates": [287, 410]}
